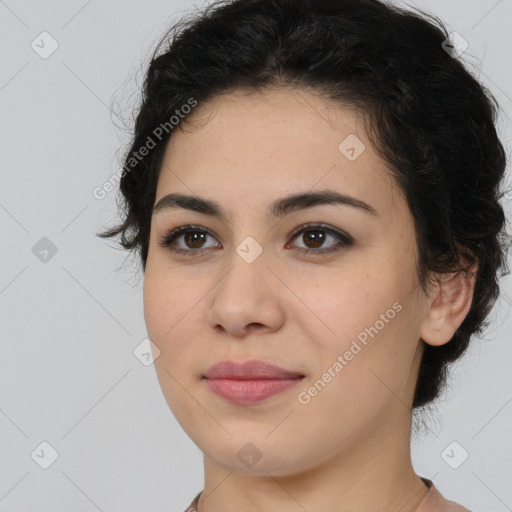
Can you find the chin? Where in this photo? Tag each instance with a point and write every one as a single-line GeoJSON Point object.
{"type": "Point", "coordinates": [255, 457]}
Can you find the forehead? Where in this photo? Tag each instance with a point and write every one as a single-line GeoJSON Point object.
{"type": "Point", "coordinates": [263, 145]}
{"type": "Point", "coordinates": [273, 115]}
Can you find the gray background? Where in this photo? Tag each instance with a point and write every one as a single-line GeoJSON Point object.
{"type": "Point", "coordinates": [69, 325]}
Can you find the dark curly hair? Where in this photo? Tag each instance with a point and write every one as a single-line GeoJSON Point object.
{"type": "Point", "coordinates": [428, 117]}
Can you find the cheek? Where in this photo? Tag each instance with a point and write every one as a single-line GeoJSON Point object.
{"type": "Point", "coordinates": [161, 314]}
{"type": "Point", "coordinates": [169, 314]}
{"type": "Point", "coordinates": [172, 306]}
{"type": "Point", "coordinates": [341, 306]}
{"type": "Point", "coordinates": [363, 356]}
{"type": "Point", "coordinates": [168, 297]}
{"type": "Point", "coordinates": [155, 305]}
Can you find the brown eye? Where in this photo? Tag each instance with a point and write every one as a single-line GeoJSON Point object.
{"type": "Point", "coordinates": [315, 236]}
{"type": "Point", "coordinates": [193, 239]}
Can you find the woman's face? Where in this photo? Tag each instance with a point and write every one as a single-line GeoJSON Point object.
{"type": "Point", "coordinates": [348, 321]}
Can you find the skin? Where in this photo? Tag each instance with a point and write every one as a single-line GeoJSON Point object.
{"type": "Point", "coordinates": [349, 447]}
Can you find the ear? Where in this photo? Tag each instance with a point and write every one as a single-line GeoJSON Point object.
{"type": "Point", "coordinates": [449, 305]}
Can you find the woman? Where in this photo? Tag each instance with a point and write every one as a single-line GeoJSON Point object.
{"type": "Point", "coordinates": [312, 188]}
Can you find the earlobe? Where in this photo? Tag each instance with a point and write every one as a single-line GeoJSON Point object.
{"type": "Point", "coordinates": [449, 305]}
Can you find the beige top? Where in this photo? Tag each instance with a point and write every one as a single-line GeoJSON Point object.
{"type": "Point", "coordinates": [433, 501]}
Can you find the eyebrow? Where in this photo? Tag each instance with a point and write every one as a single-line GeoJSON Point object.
{"type": "Point", "coordinates": [279, 208]}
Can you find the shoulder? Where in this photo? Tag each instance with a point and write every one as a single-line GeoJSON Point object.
{"type": "Point", "coordinates": [434, 501]}
{"type": "Point", "coordinates": [193, 506]}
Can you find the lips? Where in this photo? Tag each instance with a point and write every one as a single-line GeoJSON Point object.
{"type": "Point", "coordinates": [247, 370]}
{"type": "Point", "coordinates": [249, 382]}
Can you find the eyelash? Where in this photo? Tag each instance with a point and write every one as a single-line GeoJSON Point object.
{"type": "Point", "coordinates": [345, 240]}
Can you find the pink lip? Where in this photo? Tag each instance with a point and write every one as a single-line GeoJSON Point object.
{"type": "Point", "coordinates": [249, 382]}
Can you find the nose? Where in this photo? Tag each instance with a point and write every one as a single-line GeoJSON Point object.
{"type": "Point", "coordinates": [246, 299]}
